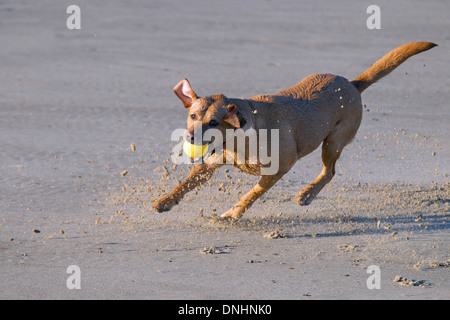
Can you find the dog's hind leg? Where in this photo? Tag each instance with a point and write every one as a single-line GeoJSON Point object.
{"type": "Point", "coordinates": [249, 198]}
{"type": "Point", "coordinates": [332, 147]}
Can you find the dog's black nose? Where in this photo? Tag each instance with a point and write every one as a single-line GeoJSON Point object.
{"type": "Point", "coordinates": [189, 136]}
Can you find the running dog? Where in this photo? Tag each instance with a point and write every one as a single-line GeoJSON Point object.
{"type": "Point", "coordinates": [321, 109]}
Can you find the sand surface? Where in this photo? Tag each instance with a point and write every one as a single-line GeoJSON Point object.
{"type": "Point", "coordinates": [85, 123]}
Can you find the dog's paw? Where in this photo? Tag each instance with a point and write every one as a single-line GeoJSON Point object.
{"type": "Point", "coordinates": [163, 205]}
{"type": "Point", "coordinates": [233, 214]}
{"type": "Point", "coordinates": [305, 198]}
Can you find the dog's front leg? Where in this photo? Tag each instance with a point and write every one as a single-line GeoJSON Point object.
{"type": "Point", "coordinates": [248, 199]}
{"type": "Point", "coordinates": [198, 176]}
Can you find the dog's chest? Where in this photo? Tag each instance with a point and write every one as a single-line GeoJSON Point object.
{"type": "Point", "coordinates": [253, 169]}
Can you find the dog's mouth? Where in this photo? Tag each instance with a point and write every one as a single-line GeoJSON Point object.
{"type": "Point", "coordinates": [198, 154]}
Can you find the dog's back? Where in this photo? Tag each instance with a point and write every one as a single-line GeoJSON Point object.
{"type": "Point", "coordinates": [309, 110]}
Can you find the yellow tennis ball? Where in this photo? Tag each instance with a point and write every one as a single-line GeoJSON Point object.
{"type": "Point", "coordinates": [195, 151]}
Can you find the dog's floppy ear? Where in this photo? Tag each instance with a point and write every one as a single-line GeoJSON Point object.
{"type": "Point", "coordinates": [184, 91]}
{"type": "Point", "coordinates": [232, 117]}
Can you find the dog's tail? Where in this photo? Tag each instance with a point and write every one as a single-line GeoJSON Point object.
{"type": "Point", "coordinates": [389, 62]}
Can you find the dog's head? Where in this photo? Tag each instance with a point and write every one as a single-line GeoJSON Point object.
{"type": "Point", "coordinates": [204, 113]}
{"type": "Point", "coordinates": [212, 112]}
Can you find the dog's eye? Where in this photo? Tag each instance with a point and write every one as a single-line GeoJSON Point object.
{"type": "Point", "coordinates": [193, 116]}
{"type": "Point", "coordinates": [213, 123]}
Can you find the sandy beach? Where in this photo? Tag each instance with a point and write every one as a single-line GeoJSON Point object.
{"type": "Point", "coordinates": [86, 118]}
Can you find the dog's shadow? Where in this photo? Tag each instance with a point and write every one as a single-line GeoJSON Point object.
{"type": "Point", "coordinates": [367, 209]}
{"type": "Point", "coordinates": [336, 223]}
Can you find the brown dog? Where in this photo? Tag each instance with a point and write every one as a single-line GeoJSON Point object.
{"type": "Point", "coordinates": [322, 108]}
